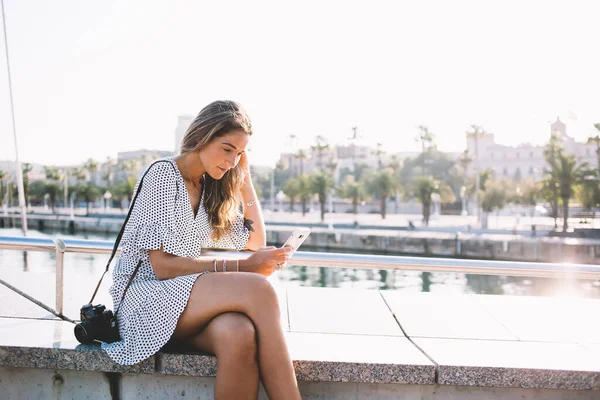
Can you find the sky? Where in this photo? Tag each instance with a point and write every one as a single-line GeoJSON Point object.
{"type": "Point", "coordinates": [91, 78]}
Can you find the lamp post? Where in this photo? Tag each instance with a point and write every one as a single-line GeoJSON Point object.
{"type": "Point", "coordinates": [280, 196]}
{"type": "Point", "coordinates": [463, 196]}
{"type": "Point", "coordinates": [72, 201]}
{"type": "Point", "coordinates": [435, 199]}
{"type": "Point", "coordinates": [107, 196]}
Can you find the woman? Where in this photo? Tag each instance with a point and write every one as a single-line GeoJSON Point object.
{"type": "Point", "coordinates": [225, 308]}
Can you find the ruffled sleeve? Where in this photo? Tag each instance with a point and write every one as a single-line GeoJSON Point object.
{"type": "Point", "coordinates": [236, 239]}
{"type": "Point", "coordinates": [154, 211]}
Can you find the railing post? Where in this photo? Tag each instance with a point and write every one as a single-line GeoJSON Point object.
{"type": "Point", "coordinates": [60, 261]}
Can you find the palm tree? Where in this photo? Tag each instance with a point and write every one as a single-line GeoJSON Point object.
{"type": "Point", "coordinates": [426, 139]}
{"type": "Point", "coordinates": [494, 198]}
{"type": "Point", "coordinates": [2, 176]}
{"type": "Point", "coordinates": [379, 152]}
{"type": "Point", "coordinates": [91, 167]}
{"type": "Point", "coordinates": [292, 190]}
{"type": "Point", "coordinates": [88, 192]}
{"type": "Point", "coordinates": [423, 188]}
{"type": "Point", "coordinates": [354, 191]}
{"type": "Point", "coordinates": [305, 188]}
{"type": "Point", "coordinates": [53, 174]}
{"type": "Point", "coordinates": [588, 192]}
{"type": "Point", "coordinates": [566, 172]}
{"type": "Point", "coordinates": [320, 147]}
{"type": "Point", "coordinates": [551, 152]}
{"type": "Point", "coordinates": [596, 140]}
{"type": "Point", "coordinates": [26, 167]}
{"type": "Point", "coordinates": [332, 165]}
{"type": "Point", "coordinates": [321, 183]}
{"type": "Point", "coordinates": [301, 156]}
{"type": "Point", "coordinates": [382, 183]}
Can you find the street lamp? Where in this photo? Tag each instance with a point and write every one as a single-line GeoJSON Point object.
{"type": "Point", "coordinates": [463, 196]}
{"type": "Point", "coordinates": [435, 199]}
{"type": "Point", "coordinates": [72, 201]}
{"type": "Point", "coordinates": [107, 196]}
{"type": "Point", "coordinates": [280, 196]}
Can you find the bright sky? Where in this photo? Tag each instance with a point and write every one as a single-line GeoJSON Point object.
{"type": "Point", "coordinates": [91, 78]}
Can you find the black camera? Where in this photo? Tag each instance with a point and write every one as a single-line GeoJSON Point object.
{"type": "Point", "coordinates": [97, 323]}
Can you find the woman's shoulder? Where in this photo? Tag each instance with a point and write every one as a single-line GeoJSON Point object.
{"type": "Point", "coordinates": [161, 167]}
{"type": "Point", "coordinates": [160, 172]}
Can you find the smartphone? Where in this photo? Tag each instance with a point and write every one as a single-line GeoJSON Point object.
{"type": "Point", "coordinates": [297, 238]}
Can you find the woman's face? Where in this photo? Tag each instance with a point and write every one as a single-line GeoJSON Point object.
{"type": "Point", "coordinates": [223, 153]}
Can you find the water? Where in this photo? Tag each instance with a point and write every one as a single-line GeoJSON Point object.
{"type": "Point", "coordinates": [34, 273]}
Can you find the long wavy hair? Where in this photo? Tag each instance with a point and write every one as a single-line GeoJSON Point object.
{"type": "Point", "coordinates": [221, 197]}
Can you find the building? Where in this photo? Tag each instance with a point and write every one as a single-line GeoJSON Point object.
{"type": "Point", "coordinates": [525, 160]}
{"type": "Point", "coordinates": [340, 159]}
{"type": "Point", "coordinates": [142, 155]}
{"type": "Point", "coordinates": [183, 123]}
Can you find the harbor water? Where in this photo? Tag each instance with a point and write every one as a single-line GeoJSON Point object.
{"type": "Point", "coordinates": [34, 273]}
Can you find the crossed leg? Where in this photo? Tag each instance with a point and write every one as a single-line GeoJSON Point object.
{"type": "Point", "coordinates": [238, 317]}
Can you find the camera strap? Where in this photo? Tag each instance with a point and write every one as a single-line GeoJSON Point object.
{"type": "Point", "coordinates": [120, 235]}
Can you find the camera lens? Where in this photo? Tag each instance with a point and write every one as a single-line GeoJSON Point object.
{"type": "Point", "coordinates": [82, 334]}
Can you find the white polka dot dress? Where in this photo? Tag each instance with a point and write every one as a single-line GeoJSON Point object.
{"type": "Point", "coordinates": [162, 215]}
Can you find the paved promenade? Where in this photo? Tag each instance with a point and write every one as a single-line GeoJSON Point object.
{"type": "Point", "coordinates": [345, 344]}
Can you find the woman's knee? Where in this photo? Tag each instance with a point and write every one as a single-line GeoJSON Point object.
{"type": "Point", "coordinates": [234, 336]}
{"type": "Point", "coordinates": [262, 294]}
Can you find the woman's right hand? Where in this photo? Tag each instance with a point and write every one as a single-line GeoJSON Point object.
{"type": "Point", "coordinates": [265, 260]}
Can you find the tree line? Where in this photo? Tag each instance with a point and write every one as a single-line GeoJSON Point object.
{"type": "Point", "coordinates": [430, 176]}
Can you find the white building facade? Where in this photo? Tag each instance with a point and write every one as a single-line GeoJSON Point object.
{"type": "Point", "coordinates": [526, 160]}
{"type": "Point", "coordinates": [183, 123]}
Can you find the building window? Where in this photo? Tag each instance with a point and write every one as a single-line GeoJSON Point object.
{"type": "Point", "coordinates": [505, 171]}
{"type": "Point", "coordinates": [517, 154]}
{"type": "Point", "coordinates": [531, 154]}
{"type": "Point", "coordinates": [492, 155]}
{"type": "Point", "coordinates": [530, 170]}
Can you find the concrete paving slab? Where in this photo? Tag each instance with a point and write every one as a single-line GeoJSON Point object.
{"type": "Point", "coordinates": [513, 363]}
{"type": "Point", "coordinates": [444, 316]}
{"type": "Point", "coordinates": [358, 358]}
{"type": "Point", "coordinates": [547, 319]}
{"type": "Point", "coordinates": [13, 304]}
{"type": "Point", "coordinates": [349, 311]}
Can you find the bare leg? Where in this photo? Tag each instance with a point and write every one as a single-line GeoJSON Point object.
{"type": "Point", "coordinates": [252, 295]}
{"type": "Point", "coordinates": [232, 338]}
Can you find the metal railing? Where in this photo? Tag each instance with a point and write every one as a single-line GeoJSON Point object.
{"type": "Point", "coordinates": [341, 260]}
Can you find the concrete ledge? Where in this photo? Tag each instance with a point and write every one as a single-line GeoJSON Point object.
{"type": "Point", "coordinates": [83, 358]}
{"type": "Point", "coordinates": [186, 364]}
{"type": "Point", "coordinates": [366, 337]}
{"type": "Point", "coordinates": [518, 378]}
{"type": "Point", "coordinates": [68, 355]}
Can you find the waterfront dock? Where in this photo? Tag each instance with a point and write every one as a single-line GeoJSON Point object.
{"type": "Point", "coordinates": [345, 343]}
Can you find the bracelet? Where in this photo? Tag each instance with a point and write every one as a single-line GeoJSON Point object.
{"type": "Point", "coordinates": [237, 264]}
{"type": "Point", "coordinates": [224, 265]}
{"type": "Point", "coordinates": [215, 264]}
{"type": "Point", "coordinates": [250, 203]}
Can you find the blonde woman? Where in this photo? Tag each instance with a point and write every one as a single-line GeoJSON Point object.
{"type": "Point", "coordinates": [228, 309]}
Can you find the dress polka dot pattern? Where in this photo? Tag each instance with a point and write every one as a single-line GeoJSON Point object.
{"type": "Point", "coordinates": [162, 216]}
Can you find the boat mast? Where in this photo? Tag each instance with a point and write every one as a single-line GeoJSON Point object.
{"type": "Point", "coordinates": [19, 171]}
